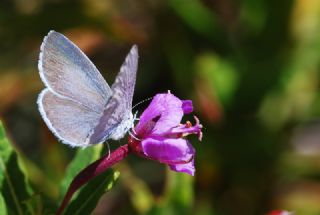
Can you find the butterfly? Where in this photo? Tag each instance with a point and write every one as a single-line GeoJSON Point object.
{"type": "Point", "coordinates": [78, 105]}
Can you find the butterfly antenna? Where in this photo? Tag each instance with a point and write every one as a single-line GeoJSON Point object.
{"type": "Point", "coordinates": [142, 102]}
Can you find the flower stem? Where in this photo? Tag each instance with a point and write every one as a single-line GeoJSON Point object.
{"type": "Point", "coordinates": [92, 171]}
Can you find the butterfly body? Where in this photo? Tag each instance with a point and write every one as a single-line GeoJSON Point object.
{"type": "Point", "coordinates": [123, 128]}
{"type": "Point", "coordinates": [77, 104]}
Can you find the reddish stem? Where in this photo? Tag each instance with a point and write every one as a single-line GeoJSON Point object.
{"type": "Point", "coordinates": [92, 171]}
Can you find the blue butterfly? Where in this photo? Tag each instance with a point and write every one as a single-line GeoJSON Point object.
{"type": "Point", "coordinates": [78, 105]}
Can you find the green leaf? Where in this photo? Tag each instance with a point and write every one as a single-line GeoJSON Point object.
{"type": "Point", "coordinates": [13, 182]}
{"type": "Point", "coordinates": [3, 208]}
{"type": "Point", "coordinates": [88, 197]}
{"type": "Point", "coordinates": [83, 158]}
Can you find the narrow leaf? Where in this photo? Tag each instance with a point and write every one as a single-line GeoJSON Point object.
{"type": "Point", "coordinates": [90, 172]}
{"type": "Point", "coordinates": [82, 159]}
{"type": "Point", "coordinates": [89, 195]}
{"type": "Point", "coordinates": [13, 182]}
{"type": "Point", "coordinates": [3, 207]}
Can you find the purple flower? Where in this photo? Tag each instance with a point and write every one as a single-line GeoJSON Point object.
{"type": "Point", "coordinates": [160, 136]}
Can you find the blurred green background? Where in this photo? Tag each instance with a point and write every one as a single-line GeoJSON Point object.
{"type": "Point", "coordinates": [251, 68]}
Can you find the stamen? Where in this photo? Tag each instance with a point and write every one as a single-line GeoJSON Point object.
{"type": "Point", "coordinates": [188, 124]}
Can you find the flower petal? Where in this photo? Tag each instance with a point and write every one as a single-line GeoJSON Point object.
{"type": "Point", "coordinates": [168, 151]}
{"type": "Point", "coordinates": [187, 106]}
{"type": "Point", "coordinates": [168, 108]}
{"type": "Point", "coordinates": [186, 168]}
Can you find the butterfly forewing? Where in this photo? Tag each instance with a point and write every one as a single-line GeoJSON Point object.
{"type": "Point", "coordinates": [67, 71]}
{"type": "Point", "coordinates": [117, 117]}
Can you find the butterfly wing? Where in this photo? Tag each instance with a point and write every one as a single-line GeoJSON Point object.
{"type": "Point", "coordinates": [70, 121]}
{"type": "Point", "coordinates": [117, 118]}
{"type": "Point", "coordinates": [67, 71]}
{"type": "Point", "coordinates": [76, 93]}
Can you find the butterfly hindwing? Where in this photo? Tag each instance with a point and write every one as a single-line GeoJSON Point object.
{"type": "Point", "coordinates": [70, 121]}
